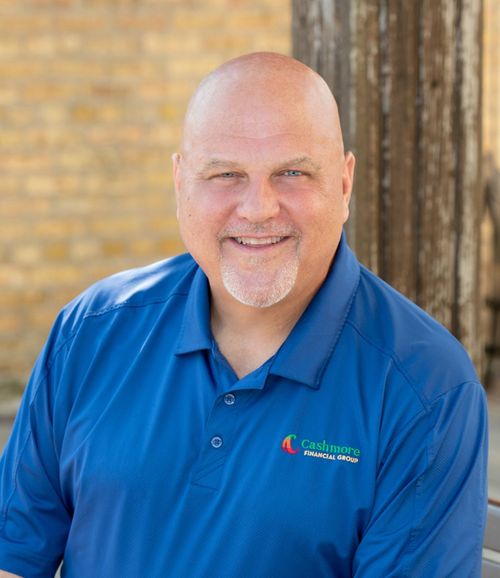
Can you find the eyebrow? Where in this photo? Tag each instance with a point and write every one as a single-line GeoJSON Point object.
{"type": "Point", "coordinates": [305, 160]}
{"type": "Point", "coordinates": [225, 163]}
{"type": "Point", "coordinates": [218, 163]}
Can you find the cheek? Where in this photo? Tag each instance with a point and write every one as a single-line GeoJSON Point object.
{"type": "Point", "coordinates": [188, 218]}
{"type": "Point", "coordinates": [184, 215]}
{"type": "Point", "coordinates": [199, 221]}
{"type": "Point", "coordinates": [321, 223]}
{"type": "Point", "coordinates": [191, 209]}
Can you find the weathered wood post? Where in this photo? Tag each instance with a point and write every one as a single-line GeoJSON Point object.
{"type": "Point", "coordinates": [407, 76]}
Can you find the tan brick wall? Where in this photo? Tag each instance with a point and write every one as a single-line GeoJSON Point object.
{"type": "Point", "coordinates": [490, 275]}
{"type": "Point", "coordinates": [491, 78]}
{"type": "Point", "coordinates": [91, 99]}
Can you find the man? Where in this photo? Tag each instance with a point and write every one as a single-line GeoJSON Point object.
{"type": "Point", "coordinates": [262, 407]}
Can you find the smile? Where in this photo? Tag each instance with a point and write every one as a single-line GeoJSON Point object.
{"type": "Point", "coordinates": [254, 241]}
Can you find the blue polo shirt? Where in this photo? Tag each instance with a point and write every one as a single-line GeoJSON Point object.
{"type": "Point", "coordinates": [358, 449]}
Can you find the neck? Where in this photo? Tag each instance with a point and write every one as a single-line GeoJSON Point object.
{"type": "Point", "coordinates": [248, 336]}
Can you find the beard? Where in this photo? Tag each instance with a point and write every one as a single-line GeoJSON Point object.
{"type": "Point", "coordinates": [259, 295]}
{"type": "Point", "coordinates": [258, 287]}
{"type": "Point", "coordinates": [260, 281]}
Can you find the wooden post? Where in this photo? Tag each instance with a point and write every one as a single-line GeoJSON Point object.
{"type": "Point", "coordinates": [407, 76]}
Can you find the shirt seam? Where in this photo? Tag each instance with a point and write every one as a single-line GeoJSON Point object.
{"type": "Point", "coordinates": [396, 361]}
{"type": "Point", "coordinates": [129, 303]}
{"type": "Point", "coordinates": [6, 507]}
{"type": "Point", "coordinates": [43, 377]}
{"type": "Point", "coordinates": [425, 401]}
{"type": "Point", "coordinates": [88, 315]}
{"type": "Point", "coordinates": [413, 534]}
{"type": "Point", "coordinates": [91, 314]}
{"type": "Point", "coordinates": [414, 531]}
{"type": "Point", "coordinates": [428, 409]}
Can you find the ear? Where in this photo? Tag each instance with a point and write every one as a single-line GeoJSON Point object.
{"type": "Point", "coordinates": [176, 170]}
{"type": "Point", "coordinates": [347, 181]}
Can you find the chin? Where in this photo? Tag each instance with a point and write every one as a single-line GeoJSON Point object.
{"type": "Point", "coordinates": [259, 295]}
{"type": "Point", "coordinates": [257, 300]}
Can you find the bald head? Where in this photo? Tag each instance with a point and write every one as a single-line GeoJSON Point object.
{"type": "Point", "coordinates": [262, 182]}
{"type": "Point", "coordinates": [261, 93]}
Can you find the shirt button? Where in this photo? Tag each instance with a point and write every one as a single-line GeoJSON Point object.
{"type": "Point", "coordinates": [216, 442]}
{"type": "Point", "coordinates": [229, 399]}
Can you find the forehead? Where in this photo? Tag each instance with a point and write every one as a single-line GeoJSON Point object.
{"type": "Point", "coordinates": [263, 135]}
{"type": "Point", "coordinates": [224, 150]}
{"type": "Point", "coordinates": [205, 167]}
{"type": "Point", "coordinates": [258, 122]}
{"type": "Point", "coordinates": [260, 109]}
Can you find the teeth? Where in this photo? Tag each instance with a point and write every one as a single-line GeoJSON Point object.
{"type": "Point", "coordinates": [262, 241]}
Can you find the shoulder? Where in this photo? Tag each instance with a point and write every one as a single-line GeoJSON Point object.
{"type": "Point", "coordinates": [142, 287]}
{"type": "Point", "coordinates": [426, 354]}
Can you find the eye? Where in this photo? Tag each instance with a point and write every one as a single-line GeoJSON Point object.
{"type": "Point", "coordinates": [292, 173]}
{"type": "Point", "coordinates": [226, 176]}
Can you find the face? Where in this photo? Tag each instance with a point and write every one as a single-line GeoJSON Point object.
{"type": "Point", "coordinates": [262, 192]}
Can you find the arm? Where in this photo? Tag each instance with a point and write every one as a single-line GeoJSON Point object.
{"type": "Point", "coordinates": [429, 509]}
{"type": "Point", "coordinates": [4, 574]}
{"type": "Point", "coordinates": [34, 520]}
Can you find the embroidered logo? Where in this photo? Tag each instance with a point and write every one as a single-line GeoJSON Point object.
{"type": "Point", "coordinates": [286, 444]}
{"type": "Point", "coordinates": [320, 449]}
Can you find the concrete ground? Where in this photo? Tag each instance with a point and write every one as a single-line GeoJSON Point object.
{"type": "Point", "coordinates": [494, 453]}
{"type": "Point", "coordinates": [5, 425]}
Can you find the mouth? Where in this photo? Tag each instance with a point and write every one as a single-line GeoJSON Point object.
{"type": "Point", "coordinates": [258, 241]}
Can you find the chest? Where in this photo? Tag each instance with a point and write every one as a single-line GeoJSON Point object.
{"type": "Point", "coordinates": [164, 434]}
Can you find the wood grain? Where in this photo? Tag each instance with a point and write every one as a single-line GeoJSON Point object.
{"type": "Point", "coordinates": [406, 74]}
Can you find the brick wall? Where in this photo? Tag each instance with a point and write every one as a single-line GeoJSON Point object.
{"type": "Point", "coordinates": [92, 93]}
{"type": "Point", "coordinates": [491, 79]}
{"type": "Point", "coordinates": [490, 278]}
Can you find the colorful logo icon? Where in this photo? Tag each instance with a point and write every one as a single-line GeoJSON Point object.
{"type": "Point", "coordinates": [286, 444]}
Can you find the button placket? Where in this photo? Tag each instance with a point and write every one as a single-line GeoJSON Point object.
{"type": "Point", "coordinates": [219, 429]}
{"type": "Point", "coordinates": [217, 441]}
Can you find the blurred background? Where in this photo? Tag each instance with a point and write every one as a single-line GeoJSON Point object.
{"type": "Point", "coordinates": [92, 95]}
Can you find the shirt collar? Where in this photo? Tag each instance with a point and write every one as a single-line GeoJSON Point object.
{"type": "Point", "coordinates": [195, 332]}
{"type": "Point", "coordinates": [306, 351]}
{"type": "Point", "coordinates": [304, 354]}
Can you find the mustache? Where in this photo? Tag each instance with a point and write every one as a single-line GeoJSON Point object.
{"type": "Point", "coordinates": [263, 230]}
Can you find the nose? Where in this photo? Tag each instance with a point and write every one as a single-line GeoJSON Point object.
{"type": "Point", "coordinates": [259, 202]}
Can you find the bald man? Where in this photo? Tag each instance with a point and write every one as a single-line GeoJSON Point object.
{"type": "Point", "coordinates": [262, 406]}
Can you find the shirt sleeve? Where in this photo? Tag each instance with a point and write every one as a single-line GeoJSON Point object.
{"type": "Point", "coordinates": [429, 509]}
{"type": "Point", "coordinates": [34, 520]}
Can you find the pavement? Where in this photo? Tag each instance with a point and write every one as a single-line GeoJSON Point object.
{"type": "Point", "coordinates": [5, 426]}
{"type": "Point", "coordinates": [8, 409]}
{"type": "Point", "coordinates": [494, 448]}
